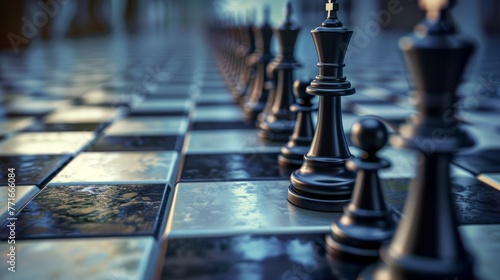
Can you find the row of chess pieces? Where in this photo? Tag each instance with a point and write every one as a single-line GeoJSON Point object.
{"type": "Point", "coordinates": [426, 243]}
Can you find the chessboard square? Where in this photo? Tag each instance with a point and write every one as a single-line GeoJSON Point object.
{"type": "Point", "coordinates": [138, 143]}
{"type": "Point", "coordinates": [31, 170]}
{"type": "Point", "coordinates": [486, 139]}
{"type": "Point", "coordinates": [19, 196]}
{"type": "Point", "coordinates": [119, 168]}
{"type": "Point", "coordinates": [102, 96]}
{"type": "Point", "coordinates": [216, 125]}
{"type": "Point", "coordinates": [479, 162]}
{"type": "Point", "coordinates": [387, 111]}
{"type": "Point", "coordinates": [475, 202]}
{"type": "Point", "coordinates": [46, 143]}
{"type": "Point", "coordinates": [478, 117]}
{"type": "Point", "coordinates": [31, 106]}
{"type": "Point", "coordinates": [134, 126]}
{"type": "Point", "coordinates": [154, 105]}
{"type": "Point", "coordinates": [223, 98]}
{"type": "Point", "coordinates": [62, 127]}
{"type": "Point", "coordinates": [229, 141]}
{"type": "Point", "coordinates": [202, 208]}
{"type": "Point", "coordinates": [78, 258]}
{"type": "Point", "coordinates": [219, 113]}
{"type": "Point", "coordinates": [92, 210]}
{"type": "Point", "coordinates": [83, 114]}
{"type": "Point", "coordinates": [249, 256]}
{"type": "Point", "coordinates": [14, 124]}
{"type": "Point", "coordinates": [236, 166]}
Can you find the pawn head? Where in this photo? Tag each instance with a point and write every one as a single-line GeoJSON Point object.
{"type": "Point", "coordinates": [299, 89]}
{"type": "Point", "coordinates": [369, 134]}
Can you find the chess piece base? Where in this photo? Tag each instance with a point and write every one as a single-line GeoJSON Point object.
{"type": "Point", "coordinates": [315, 204]}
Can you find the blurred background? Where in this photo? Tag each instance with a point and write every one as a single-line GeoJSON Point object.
{"type": "Point", "coordinates": [24, 22]}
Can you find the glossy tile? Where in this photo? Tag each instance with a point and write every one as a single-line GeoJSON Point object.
{"type": "Point", "coordinates": [221, 208]}
{"type": "Point", "coordinates": [475, 202]}
{"type": "Point", "coordinates": [31, 170]}
{"type": "Point", "coordinates": [223, 98]}
{"type": "Point", "coordinates": [95, 258]}
{"type": "Point", "coordinates": [61, 127]}
{"type": "Point", "coordinates": [232, 166]}
{"type": "Point", "coordinates": [479, 162]}
{"type": "Point", "coordinates": [387, 111]}
{"type": "Point", "coordinates": [134, 126]}
{"type": "Point", "coordinates": [101, 97]}
{"type": "Point", "coordinates": [22, 194]}
{"type": "Point", "coordinates": [46, 143]}
{"type": "Point", "coordinates": [219, 113]}
{"type": "Point", "coordinates": [249, 256]}
{"type": "Point", "coordinates": [152, 106]}
{"type": "Point", "coordinates": [294, 256]}
{"type": "Point", "coordinates": [83, 114]}
{"type": "Point", "coordinates": [92, 210]}
{"type": "Point", "coordinates": [138, 143]}
{"type": "Point", "coordinates": [29, 106]}
{"type": "Point", "coordinates": [226, 125]}
{"type": "Point", "coordinates": [120, 168]}
{"type": "Point", "coordinates": [229, 141]}
{"type": "Point", "coordinates": [14, 124]}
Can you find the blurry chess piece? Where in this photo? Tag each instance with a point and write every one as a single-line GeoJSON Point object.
{"type": "Point", "coordinates": [292, 154]}
{"type": "Point", "coordinates": [259, 93]}
{"type": "Point", "coordinates": [279, 121]}
{"type": "Point", "coordinates": [427, 244]}
{"type": "Point", "coordinates": [89, 19]}
{"type": "Point", "coordinates": [11, 27]}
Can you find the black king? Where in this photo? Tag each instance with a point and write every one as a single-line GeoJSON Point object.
{"type": "Point", "coordinates": [323, 183]}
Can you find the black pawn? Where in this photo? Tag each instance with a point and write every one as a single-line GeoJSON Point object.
{"type": "Point", "coordinates": [293, 152]}
{"type": "Point", "coordinates": [427, 243]}
{"type": "Point", "coordinates": [366, 223]}
{"type": "Point", "coordinates": [323, 183]}
{"type": "Point", "coordinates": [279, 122]}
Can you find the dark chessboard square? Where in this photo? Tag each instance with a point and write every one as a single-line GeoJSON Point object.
{"type": "Point", "coordinates": [214, 103]}
{"type": "Point", "coordinates": [173, 113]}
{"type": "Point", "coordinates": [31, 170]}
{"type": "Point", "coordinates": [201, 125]}
{"type": "Point", "coordinates": [60, 127]}
{"type": "Point", "coordinates": [231, 167]}
{"type": "Point", "coordinates": [92, 210]}
{"type": "Point", "coordinates": [475, 202]}
{"type": "Point", "coordinates": [255, 257]}
{"type": "Point", "coordinates": [485, 161]}
{"type": "Point", "coordinates": [138, 143]}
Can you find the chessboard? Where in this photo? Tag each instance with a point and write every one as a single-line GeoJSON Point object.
{"type": "Point", "coordinates": [131, 160]}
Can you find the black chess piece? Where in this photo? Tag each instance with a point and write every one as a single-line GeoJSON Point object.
{"type": "Point", "coordinates": [366, 223]}
{"type": "Point", "coordinates": [246, 67]}
{"type": "Point", "coordinates": [293, 152]}
{"type": "Point", "coordinates": [323, 183]}
{"type": "Point", "coordinates": [427, 244]}
{"type": "Point", "coordinates": [272, 76]}
{"type": "Point", "coordinates": [259, 90]}
{"type": "Point", "coordinates": [280, 121]}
